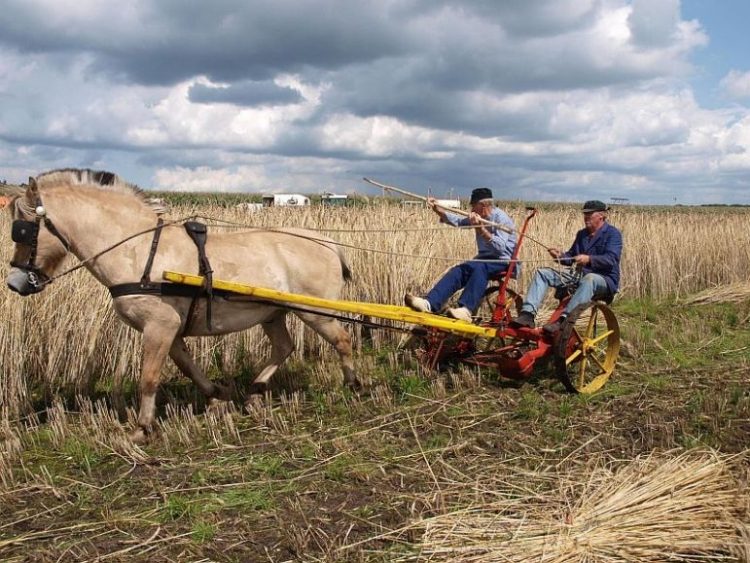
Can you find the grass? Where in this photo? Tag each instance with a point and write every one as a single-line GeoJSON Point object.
{"type": "Point", "coordinates": [98, 352]}
{"type": "Point", "coordinates": [317, 473]}
{"type": "Point", "coordinates": [330, 476]}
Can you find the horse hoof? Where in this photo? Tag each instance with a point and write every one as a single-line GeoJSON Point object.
{"type": "Point", "coordinates": [221, 393]}
{"type": "Point", "coordinates": [354, 385]}
{"type": "Point", "coordinates": [258, 389]}
{"type": "Point", "coordinates": [138, 436]}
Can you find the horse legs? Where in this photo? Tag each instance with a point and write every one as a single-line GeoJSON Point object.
{"type": "Point", "coordinates": [157, 342]}
{"type": "Point", "coordinates": [281, 348]}
{"type": "Point", "coordinates": [332, 331]}
{"type": "Point", "coordinates": [184, 361]}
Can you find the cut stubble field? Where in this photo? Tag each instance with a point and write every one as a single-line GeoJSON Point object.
{"type": "Point", "coordinates": [453, 466]}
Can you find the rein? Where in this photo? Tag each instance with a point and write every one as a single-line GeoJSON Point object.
{"type": "Point", "coordinates": [159, 225]}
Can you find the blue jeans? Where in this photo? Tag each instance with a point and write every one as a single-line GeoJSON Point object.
{"type": "Point", "coordinates": [591, 286]}
{"type": "Point", "coordinates": [472, 276]}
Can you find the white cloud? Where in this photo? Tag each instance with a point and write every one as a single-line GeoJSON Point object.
{"type": "Point", "coordinates": [654, 22]}
{"type": "Point", "coordinates": [560, 96]}
{"type": "Point", "coordinates": [205, 179]}
{"type": "Point", "coordinates": [736, 84]}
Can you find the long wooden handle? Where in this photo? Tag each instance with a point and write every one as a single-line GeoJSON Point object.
{"type": "Point", "coordinates": [448, 209]}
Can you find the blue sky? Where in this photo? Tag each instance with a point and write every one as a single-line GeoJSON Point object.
{"type": "Point", "coordinates": [725, 23]}
{"type": "Point", "coordinates": [554, 100]}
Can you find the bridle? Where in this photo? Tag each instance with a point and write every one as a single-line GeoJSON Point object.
{"type": "Point", "coordinates": [27, 233]}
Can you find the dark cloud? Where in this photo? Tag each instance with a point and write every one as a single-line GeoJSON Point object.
{"type": "Point", "coordinates": [227, 40]}
{"type": "Point", "coordinates": [247, 93]}
{"type": "Point", "coordinates": [523, 97]}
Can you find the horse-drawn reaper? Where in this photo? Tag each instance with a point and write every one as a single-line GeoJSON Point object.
{"type": "Point", "coordinates": [256, 277]}
{"type": "Point", "coordinates": [107, 224]}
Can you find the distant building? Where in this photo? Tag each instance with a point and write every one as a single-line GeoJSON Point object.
{"type": "Point", "coordinates": [334, 199]}
{"type": "Point", "coordinates": [411, 203]}
{"type": "Point", "coordinates": [285, 200]}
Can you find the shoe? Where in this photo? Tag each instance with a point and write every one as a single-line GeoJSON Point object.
{"type": "Point", "coordinates": [523, 320]}
{"type": "Point", "coordinates": [417, 303]}
{"type": "Point", "coordinates": [460, 313]}
{"type": "Point", "coordinates": [554, 328]}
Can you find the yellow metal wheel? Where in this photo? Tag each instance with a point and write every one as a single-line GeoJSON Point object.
{"type": "Point", "coordinates": [587, 347]}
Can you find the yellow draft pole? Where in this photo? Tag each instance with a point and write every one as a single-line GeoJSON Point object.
{"type": "Point", "coordinates": [390, 312]}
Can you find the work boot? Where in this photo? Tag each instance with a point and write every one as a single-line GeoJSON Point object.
{"type": "Point", "coordinates": [523, 320]}
{"type": "Point", "coordinates": [417, 303]}
{"type": "Point", "coordinates": [460, 313]}
{"type": "Point", "coordinates": [554, 328]}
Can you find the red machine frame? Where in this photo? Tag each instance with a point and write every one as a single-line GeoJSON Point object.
{"type": "Point", "coordinates": [584, 350]}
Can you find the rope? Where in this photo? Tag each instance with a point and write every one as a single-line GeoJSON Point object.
{"type": "Point", "coordinates": [234, 224]}
{"type": "Point", "coordinates": [181, 220]}
{"type": "Point", "coordinates": [82, 263]}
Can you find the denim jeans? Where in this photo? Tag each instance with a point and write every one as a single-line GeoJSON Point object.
{"type": "Point", "coordinates": [590, 286]}
{"type": "Point", "coordinates": [472, 276]}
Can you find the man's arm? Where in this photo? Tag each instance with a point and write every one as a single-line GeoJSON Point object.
{"type": "Point", "coordinates": [445, 217]}
{"type": "Point", "coordinates": [497, 240]}
{"type": "Point", "coordinates": [566, 258]}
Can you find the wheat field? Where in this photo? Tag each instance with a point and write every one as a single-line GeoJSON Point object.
{"type": "Point", "coordinates": [69, 339]}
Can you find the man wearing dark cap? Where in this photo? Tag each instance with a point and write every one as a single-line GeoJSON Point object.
{"type": "Point", "coordinates": [494, 248]}
{"type": "Point", "coordinates": [595, 252]}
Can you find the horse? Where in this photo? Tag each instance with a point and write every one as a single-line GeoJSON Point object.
{"type": "Point", "coordinates": [94, 215]}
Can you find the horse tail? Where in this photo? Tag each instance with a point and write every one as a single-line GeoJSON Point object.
{"type": "Point", "coordinates": [346, 270]}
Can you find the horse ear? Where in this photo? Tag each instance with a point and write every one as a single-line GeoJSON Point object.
{"type": "Point", "coordinates": [32, 192]}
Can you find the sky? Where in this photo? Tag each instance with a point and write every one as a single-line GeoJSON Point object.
{"type": "Point", "coordinates": [545, 100]}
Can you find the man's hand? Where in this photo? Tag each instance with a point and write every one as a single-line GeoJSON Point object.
{"type": "Point", "coordinates": [475, 218]}
{"type": "Point", "coordinates": [582, 259]}
{"type": "Point", "coordinates": [432, 204]}
{"type": "Point", "coordinates": [555, 252]}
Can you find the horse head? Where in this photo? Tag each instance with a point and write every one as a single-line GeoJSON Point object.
{"type": "Point", "coordinates": [39, 246]}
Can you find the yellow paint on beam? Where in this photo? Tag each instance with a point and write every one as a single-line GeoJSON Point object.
{"type": "Point", "coordinates": [390, 312]}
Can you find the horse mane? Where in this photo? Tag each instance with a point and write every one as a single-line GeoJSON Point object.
{"type": "Point", "coordinates": [85, 176]}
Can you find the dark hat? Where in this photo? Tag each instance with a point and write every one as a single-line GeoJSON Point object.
{"type": "Point", "coordinates": [479, 194]}
{"type": "Point", "coordinates": [594, 205]}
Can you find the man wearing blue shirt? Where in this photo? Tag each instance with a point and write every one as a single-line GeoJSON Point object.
{"type": "Point", "coordinates": [595, 252]}
{"type": "Point", "coordinates": [495, 244]}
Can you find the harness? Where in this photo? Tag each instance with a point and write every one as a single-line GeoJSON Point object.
{"type": "Point", "coordinates": [27, 232]}
{"type": "Point", "coordinates": [198, 233]}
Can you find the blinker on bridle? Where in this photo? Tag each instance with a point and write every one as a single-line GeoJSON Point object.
{"type": "Point", "coordinates": [27, 233]}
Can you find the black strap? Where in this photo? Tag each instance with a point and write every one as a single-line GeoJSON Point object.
{"type": "Point", "coordinates": [164, 290]}
{"type": "Point", "coordinates": [199, 233]}
{"type": "Point", "coordinates": [146, 277]}
{"type": "Point", "coordinates": [52, 229]}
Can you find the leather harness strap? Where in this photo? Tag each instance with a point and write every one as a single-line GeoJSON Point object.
{"type": "Point", "coordinates": [198, 234]}
{"type": "Point", "coordinates": [146, 277]}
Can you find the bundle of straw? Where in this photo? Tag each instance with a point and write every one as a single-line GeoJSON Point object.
{"type": "Point", "coordinates": [683, 508]}
{"type": "Point", "coordinates": [731, 293]}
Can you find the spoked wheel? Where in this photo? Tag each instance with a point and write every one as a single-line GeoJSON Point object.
{"type": "Point", "coordinates": [587, 348]}
{"type": "Point", "coordinates": [486, 309]}
{"type": "Point", "coordinates": [513, 302]}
